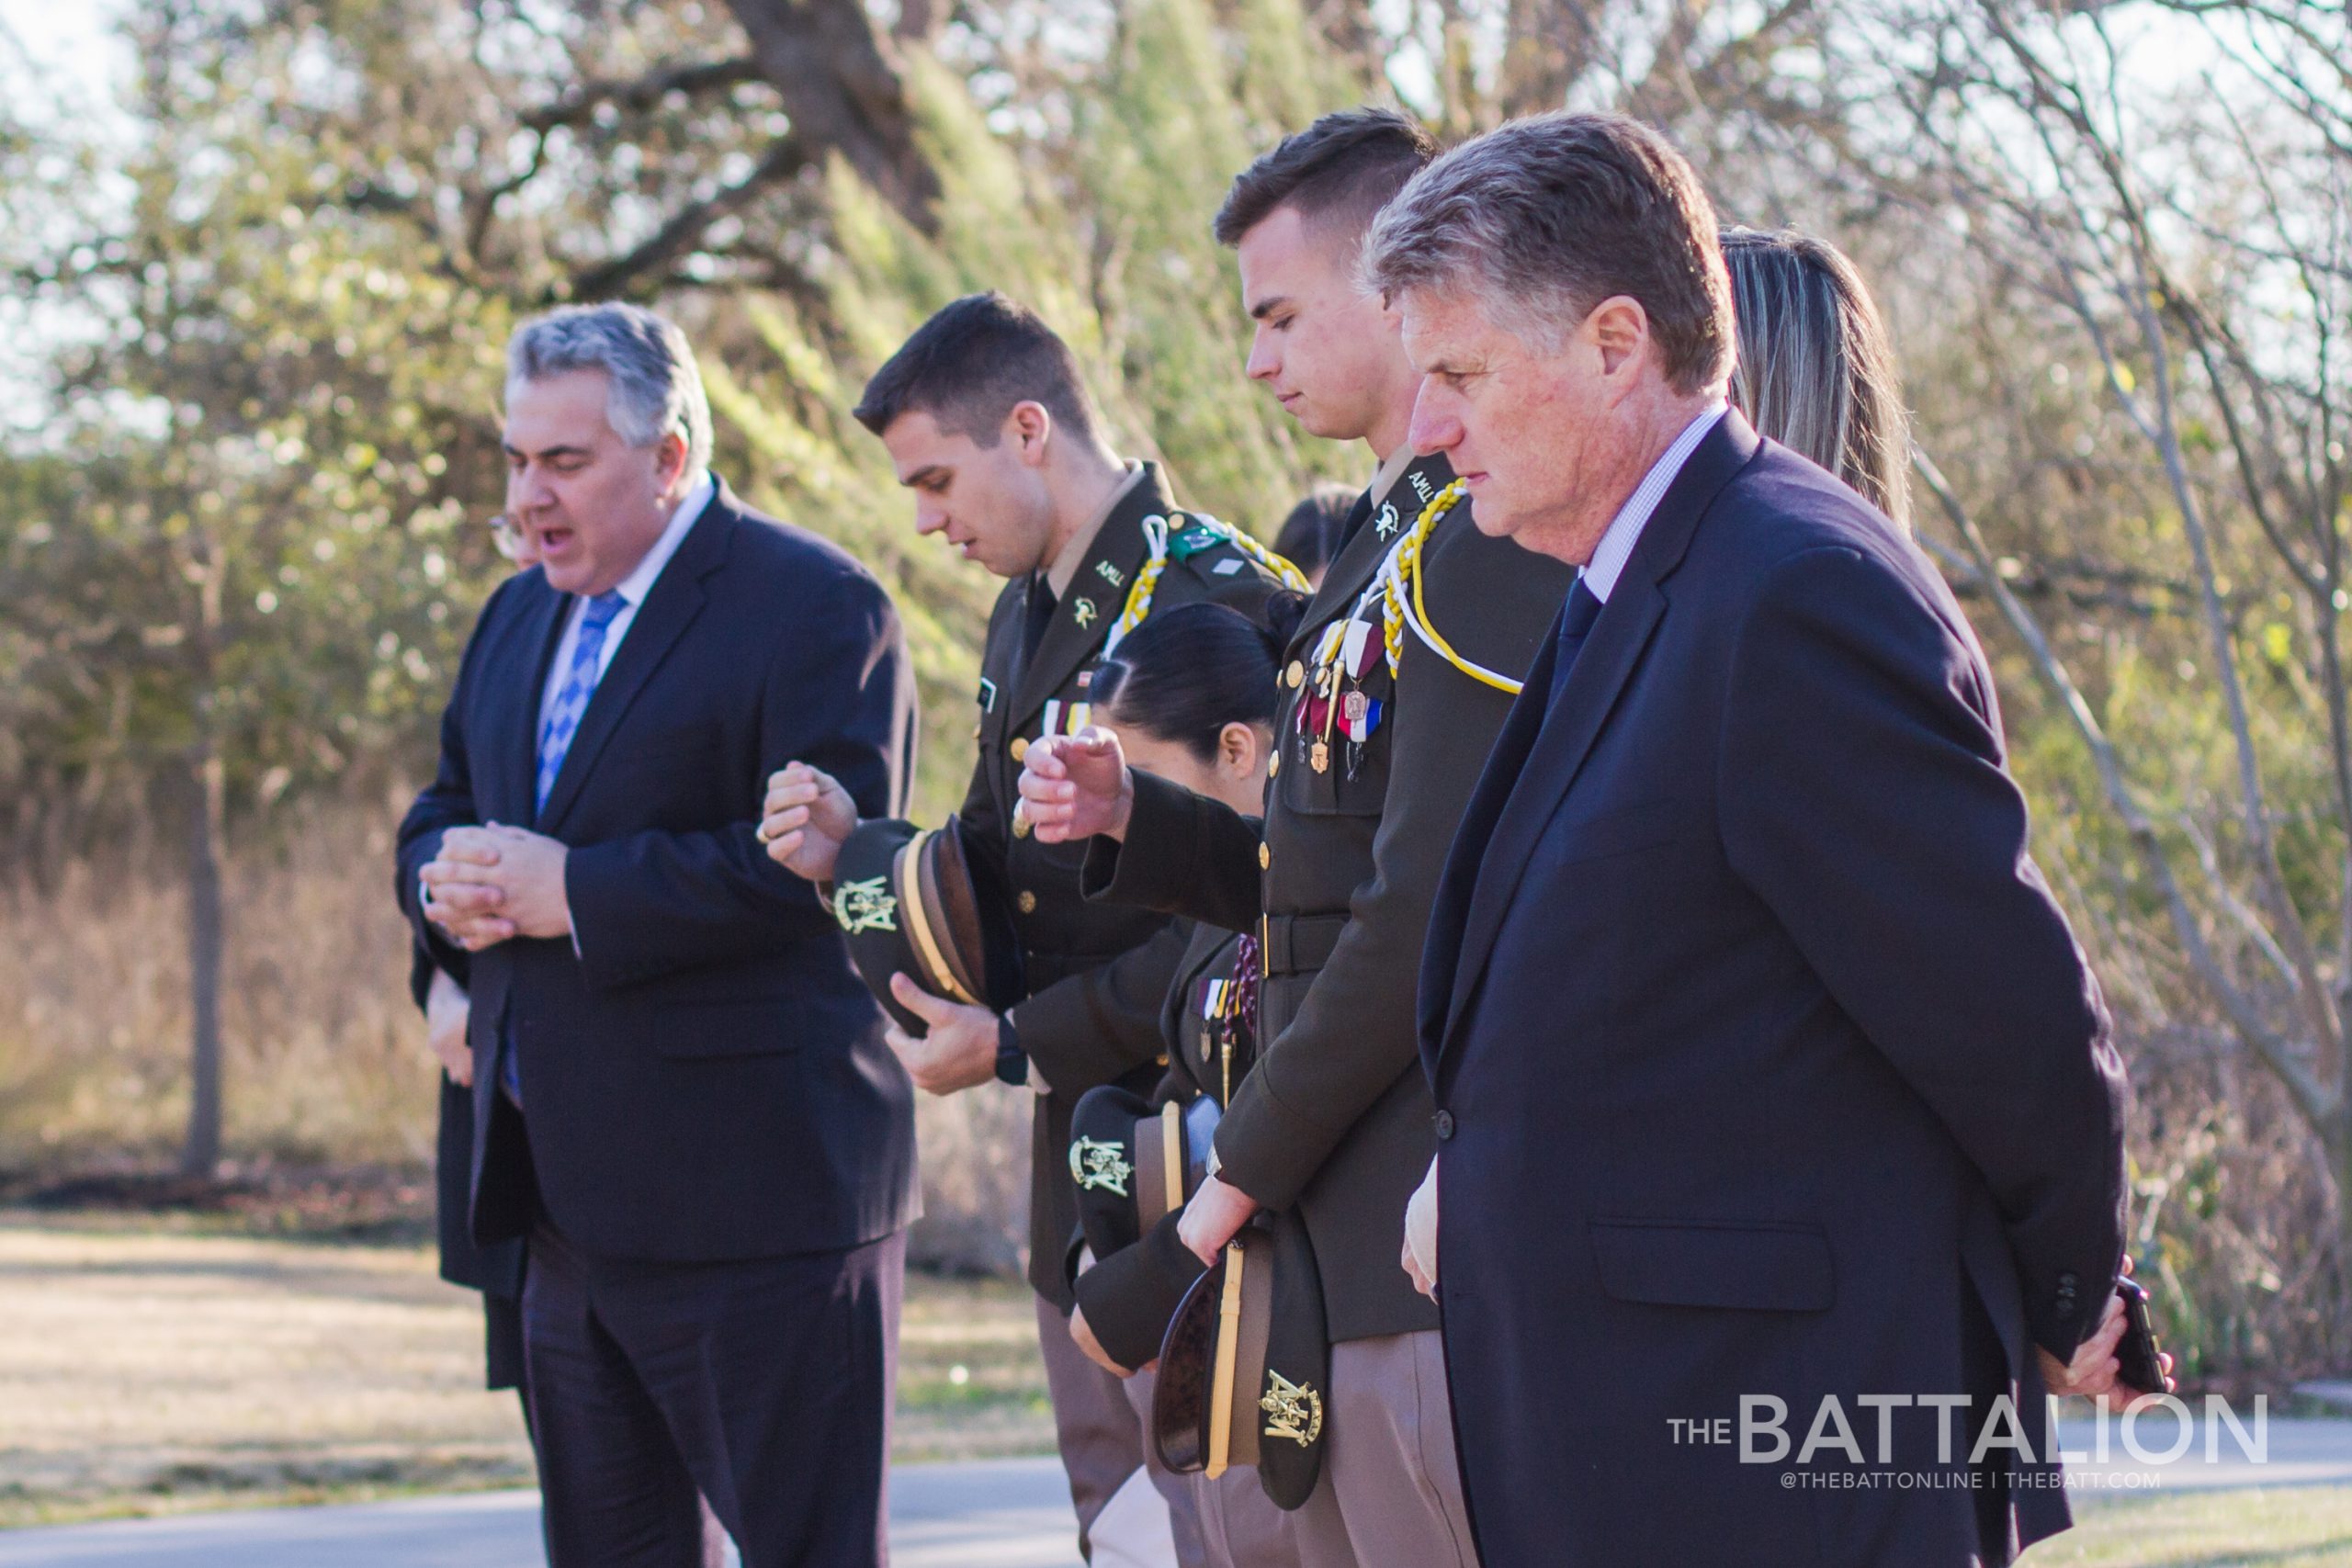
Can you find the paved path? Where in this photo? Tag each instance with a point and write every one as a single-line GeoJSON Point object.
{"type": "Point", "coordinates": [991, 1514]}
{"type": "Point", "coordinates": [996, 1512]}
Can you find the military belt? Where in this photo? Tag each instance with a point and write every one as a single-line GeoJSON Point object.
{"type": "Point", "coordinates": [1298, 945]}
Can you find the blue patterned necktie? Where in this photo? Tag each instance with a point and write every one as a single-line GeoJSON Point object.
{"type": "Point", "coordinates": [578, 683]}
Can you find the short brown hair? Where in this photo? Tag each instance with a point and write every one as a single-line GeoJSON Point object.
{"type": "Point", "coordinates": [1548, 216]}
{"type": "Point", "coordinates": [970, 365]}
{"type": "Point", "coordinates": [1340, 170]}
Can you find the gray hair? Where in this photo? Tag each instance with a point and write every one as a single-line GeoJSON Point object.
{"type": "Point", "coordinates": [1816, 369]}
{"type": "Point", "coordinates": [1544, 218]}
{"type": "Point", "coordinates": [655, 388]}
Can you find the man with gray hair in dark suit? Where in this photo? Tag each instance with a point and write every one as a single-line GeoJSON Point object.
{"type": "Point", "coordinates": [1767, 1076]}
{"type": "Point", "coordinates": [681, 1095]}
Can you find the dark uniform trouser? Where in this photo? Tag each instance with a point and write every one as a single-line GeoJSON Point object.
{"type": "Point", "coordinates": [766, 1383]}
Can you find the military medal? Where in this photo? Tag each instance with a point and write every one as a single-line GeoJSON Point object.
{"type": "Point", "coordinates": [1321, 757]}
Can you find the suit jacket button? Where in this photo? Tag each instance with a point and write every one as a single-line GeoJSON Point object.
{"type": "Point", "coordinates": [1444, 1125]}
{"type": "Point", "coordinates": [1020, 748]}
{"type": "Point", "coordinates": [1027, 901]}
{"type": "Point", "coordinates": [1265, 857]}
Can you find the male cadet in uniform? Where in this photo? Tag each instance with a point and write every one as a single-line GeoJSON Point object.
{"type": "Point", "coordinates": [987, 422]}
{"type": "Point", "coordinates": [1393, 689]}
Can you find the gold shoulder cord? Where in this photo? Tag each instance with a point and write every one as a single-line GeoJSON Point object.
{"type": "Point", "coordinates": [1397, 587]}
{"type": "Point", "coordinates": [1155, 534]}
{"type": "Point", "coordinates": [1404, 564]}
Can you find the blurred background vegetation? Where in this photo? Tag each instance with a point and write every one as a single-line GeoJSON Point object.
{"type": "Point", "coordinates": [258, 292]}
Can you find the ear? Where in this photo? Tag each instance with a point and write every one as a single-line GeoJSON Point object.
{"type": "Point", "coordinates": [1240, 749]}
{"type": "Point", "coordinates": [1030, 428]}
{"type": "Point", "coordinates": [669, 459]}
{"type": "Point", "coordinates": [1619, 329]}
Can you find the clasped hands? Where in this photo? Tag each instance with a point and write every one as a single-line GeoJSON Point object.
{"type": "Point", "coordinates": [488, 884]}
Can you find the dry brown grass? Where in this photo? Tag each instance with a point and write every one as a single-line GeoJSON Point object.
{"type": "Point", "coordinates": [325, 1059]}
{"type": "Point", "coordinates": [146, 1372]}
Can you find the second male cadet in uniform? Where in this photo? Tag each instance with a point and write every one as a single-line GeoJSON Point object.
{"type": "Point", "coordinates": [987, 422]}
{"type": "Point", "coordinates": [1376, 763]}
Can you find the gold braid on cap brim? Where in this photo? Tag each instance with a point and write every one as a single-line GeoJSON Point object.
{"type": "Point", "coordinates": [1155, 534]}
{"type": "Point", "coordinates": [1397, 586]}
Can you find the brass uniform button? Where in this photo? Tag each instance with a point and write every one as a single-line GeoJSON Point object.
{"type": "Point", "coordinates": [1021, 826]}
{"type": "Point", "coordinates": [1274, 763]}
{"type": "Point", "coordinates": [1020, 748]}
{"type": "Point", "coordinates": [1163, 1059]}
{"type": "Point", "coordinates": [1295, 674]}
{"type": "Point", "coordinates": [1028, 902]}
{"type": "Point", "coordinates": [1265, 857]}
{"type": "Point", "coordinates": [976, 732]}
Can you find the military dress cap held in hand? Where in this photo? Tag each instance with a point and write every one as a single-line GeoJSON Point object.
{"type": "Point", "coordinates": [906, 900]}
{"type": "Point", "coordinates": [1245, 1364]}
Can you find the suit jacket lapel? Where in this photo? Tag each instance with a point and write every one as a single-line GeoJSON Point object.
{"type": "Point", "coordinates": [670, 607]}
{"type": "Point", "coordinates": [1582, 704]}
{"type": "Point", "coordinates": [1449, 913]}
{"type": "Point", "coordinates": [510, 798]}
{"type": "Point", "coordinates": [1091, 601]}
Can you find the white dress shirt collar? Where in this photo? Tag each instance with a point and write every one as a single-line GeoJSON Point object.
{"type": "Point", "coordinates": [1616, 547]}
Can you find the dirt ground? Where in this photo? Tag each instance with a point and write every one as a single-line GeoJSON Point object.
{"type": "Point", "coordinates": [146, 1371]}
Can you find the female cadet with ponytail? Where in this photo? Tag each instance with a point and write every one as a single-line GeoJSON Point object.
{"type": "Point", "coordinates": [1191, 696]}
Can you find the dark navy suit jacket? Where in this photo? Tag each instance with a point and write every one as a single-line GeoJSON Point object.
{"type": "Point", "coordinates": [705, 1078]}
{"type": "Point", "coordinates": [1765, 1062]}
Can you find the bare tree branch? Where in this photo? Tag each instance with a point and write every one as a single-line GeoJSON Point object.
{"type": "Point", "coordinates": [685, 227]}
{"type": "Point", "coordinates": [639, 94]}
{"type": "Point", "coordinates": [2277, 1054]}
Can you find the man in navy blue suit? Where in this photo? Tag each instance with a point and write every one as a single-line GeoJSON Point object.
{"type": "Point", "coordinates": [1776, 1102]}
{"type": "Point", "coordinates": [681, 1094]}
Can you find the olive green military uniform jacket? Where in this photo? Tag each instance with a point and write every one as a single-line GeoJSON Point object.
{"type": "Point", "coordinates": [1335, 1115]}
{"type": "Point", "coordinates": [1085, 989]}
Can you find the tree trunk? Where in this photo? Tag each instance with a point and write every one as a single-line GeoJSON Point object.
{"type": "Point", "coordinates": [206, 942]}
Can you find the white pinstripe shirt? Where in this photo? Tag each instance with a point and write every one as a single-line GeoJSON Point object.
{"type": "Point", "coordinates": [1616, 547]}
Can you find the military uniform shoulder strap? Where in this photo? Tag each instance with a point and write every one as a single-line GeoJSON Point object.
{"type": "Point", "coordinates": [1193, 538]}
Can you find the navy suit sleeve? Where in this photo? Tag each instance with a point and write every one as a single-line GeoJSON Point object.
{"type": "Point", "coordinates": [655, 902]}
{"type": "Point", "coordinates": [447, 802]}
{"type": "Point", "coordinates": [1863, 798]}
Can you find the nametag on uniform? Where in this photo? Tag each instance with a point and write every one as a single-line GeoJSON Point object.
{"type": "Point", "coordinates": [988, 695]}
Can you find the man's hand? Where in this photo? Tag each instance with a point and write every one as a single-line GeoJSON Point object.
{"type": "Point", "coordinates": [1420, 1234]}
{"type": "Point", "coordinates": [959, 1051]}
{"type": "Point", "coordinates": [804, 818]}
{"type": "Point", "coordinates": [530, 873]}
{"type": "Point", "coordinates": [447, 1008]}
{"type": "Point", "coordinates": [1091, 1348]}
{"type": "Point", "coordinates": [1216, 1214]}
{"type": "Point", "coordinates": [2093, 1370]}
{"type": "Point", "coordinates": [465, 894]}
{"type": "Point", "coordinates": [1074, 787]}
